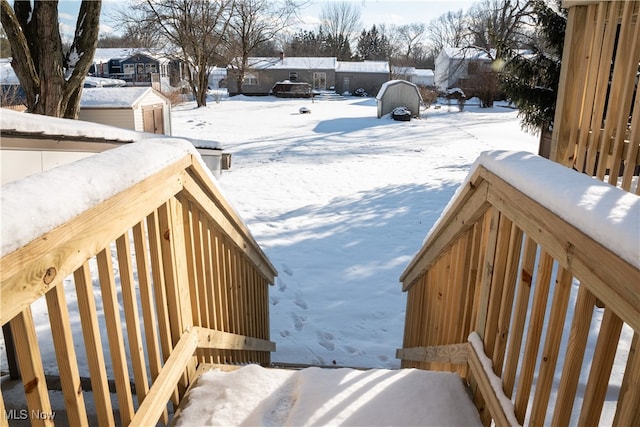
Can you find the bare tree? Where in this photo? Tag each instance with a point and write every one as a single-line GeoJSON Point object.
{"type": "Point", "coordinates": [448, 30]}
{"type": "Point", "coordinates": [499, 25]}
{"type": "Point", "coordinates": [255, 23]}
{"type": "Point", "coordinates": [341, 22]}
{"type": "Point", "coordinates": [194, 30]}
{"type": "Point", "coordinates": [52, 80]}
{"type": "Point", "coordinates": [411, 37]}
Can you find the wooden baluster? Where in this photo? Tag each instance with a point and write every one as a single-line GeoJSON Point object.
{"type": "Point", "coordinates": [31, 370]}
{"type": "Point", "coordinates": [114, 335]}
{"type": "Point", "coordinates": [66, 356]}
{"type": "Point", "coordinates": [93, 345]}
{"type": "Point", "coordinates": [574, 356]}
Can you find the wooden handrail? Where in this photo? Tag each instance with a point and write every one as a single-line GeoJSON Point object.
{"type": "Point", "coordinates": [178, 272]}
{"type": "Point", "coordinates": [475, 273]}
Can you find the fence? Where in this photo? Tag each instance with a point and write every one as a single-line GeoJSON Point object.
{"type": "Point", "coordinates": [597, 123]}
{"type": "Point", "coordinates": [487, 271]}
{"type": "Point", "coordinates": [164, 267]}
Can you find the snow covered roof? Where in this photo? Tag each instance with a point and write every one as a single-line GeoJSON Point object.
{"type": "Point", "coordinates": [295, 63]}
{"type": "Point", "coordinates": [409, 71]}
{"type": "Point", "coordinates": [112, 97]}
{"type": "Point", "coordinates": [386, 85]}
{"type": "Point", "coordinates": [424, 72]}
{"type": "Point", "coordinates": [362, 67]}
{"type": "Point", "coordinates": [104, 55]}
{"type": "Point", "coordinates": [466, 53]}
{"type": "Point", "coordinates": [25, 124]}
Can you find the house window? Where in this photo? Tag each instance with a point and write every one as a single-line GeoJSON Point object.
{"type": "Point", "coordinates": [150, 68]}
{"type": "Point", "coordinates": [250, 79]}
{"type": "Point", "coordinates": [320, 81]}
{"type": "Point", "coordinates": [128, 68]}
{"type": "Point", "coordinates": [293, 76]}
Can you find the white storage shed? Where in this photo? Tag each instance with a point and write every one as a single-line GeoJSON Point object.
{"type": "Point", "coordinates": [139, 108]}
{"type": "Point", "coordinates": [398, 93]}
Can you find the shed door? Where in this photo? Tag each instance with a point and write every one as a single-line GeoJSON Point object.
{"type": "Point", "coordinates": [345, 84]}
{"type": "Point", "coordinates": [152, 120]}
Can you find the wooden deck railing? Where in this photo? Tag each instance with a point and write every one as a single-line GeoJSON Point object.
{"type": "Point", "coordinates": [478, 303]}
{"type": "Point", "coordinates": [165, 269]}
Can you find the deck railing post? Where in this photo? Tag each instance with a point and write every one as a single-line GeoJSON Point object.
{"type": "Point", "coordinates": [14, 372]}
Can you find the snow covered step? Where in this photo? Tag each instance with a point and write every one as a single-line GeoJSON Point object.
{"type": "Point", "coordinates": [253, 395]}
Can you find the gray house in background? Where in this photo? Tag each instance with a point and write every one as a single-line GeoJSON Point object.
{"type": "Point", "coordinates": [398, 93]}
{"type": "Point", "coordinates": [368, 75]}
{"type": "Point", "coordinates": [264, 73]}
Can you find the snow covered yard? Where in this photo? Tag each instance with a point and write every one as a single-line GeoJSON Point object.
{"type": "Point", "coordinates": [340, 201]}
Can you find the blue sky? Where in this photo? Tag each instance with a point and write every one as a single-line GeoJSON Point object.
{"type": "Point", "coordinates": [390, 12]}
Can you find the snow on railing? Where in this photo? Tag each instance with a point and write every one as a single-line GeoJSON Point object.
{"type": "Point", "coordinates": [138, 244]}
{"type": "Point", "coordinates": [519, 229]}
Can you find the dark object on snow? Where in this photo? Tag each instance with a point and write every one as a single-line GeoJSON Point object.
{"type": "Point", "coordinates": [401, 114]}
{"type": "Point", "coordinates": [287, 89]}
{"type": "Point", "coordinates": [304, 110]}
{"type": "Point", "coordinates": [360, 92]}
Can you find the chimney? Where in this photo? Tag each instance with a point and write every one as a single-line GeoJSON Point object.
{"type": "Point", "coordinates": [281, 56]}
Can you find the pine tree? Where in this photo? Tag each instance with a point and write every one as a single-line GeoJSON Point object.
{"type": "Point", "coordinates": [373, 46]}
{"type": "Point", "coordinates": [531, 78]}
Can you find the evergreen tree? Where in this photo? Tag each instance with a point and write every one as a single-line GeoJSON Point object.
{"type": "Point", "coordinates": [307, 43]}
{"type": "Point", "coordinates": [372, 45]}
{"type": "Point", "coordinates": [531, 79]}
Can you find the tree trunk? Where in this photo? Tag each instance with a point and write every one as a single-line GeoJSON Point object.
{"type": "Point", "coordinates": [37, 56]}
{"type": "Point", "coordinates": [203, 83]}
{"type": "Point", "coordinates": [544, 145]}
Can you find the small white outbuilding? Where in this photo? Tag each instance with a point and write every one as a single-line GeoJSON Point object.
{"type": "Point", "coordinates": [398, 93]}
{"type": "Point", "coordinates": [139, 108]}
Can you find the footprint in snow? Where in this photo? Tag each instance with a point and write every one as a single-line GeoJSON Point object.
{"type": "Point", "coordinates": [298, 321]}
{"type": "Point", "coordinates": [325, 339]}
{"type": "Point", "coordinates": [285, 333]}
{"type": "Point", "coordinates": [274, 300]}
{"type": "Point", "coordinates": [353, 350]}
{"type": "Point", "coordinates": [299, 301]}
{"type": "Point", "coordinates": [383, 358]}
{"type": "Point", "coordinates": [278, 406]}
{"type": "Point", "coordinates": [282, 286]}
{"type": "Point", "coordinates": [287, 270]}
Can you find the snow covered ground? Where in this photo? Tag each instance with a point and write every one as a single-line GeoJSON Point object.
{"type": "Point", "coordinates": [340, 201]}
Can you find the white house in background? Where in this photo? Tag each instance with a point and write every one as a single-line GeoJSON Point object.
{"type": "Point", "coordinates": [403, 73]}
{"type": "Point", "coordinates": [31, 143]}
{"type": "Point", "coordinates": [418, 76]}
{"type": "Point", "coordinates": [423, 77]}
{"type": "Point", "coordinates": [454, 66]}
{"type": "Point", "coordinates": [138, 108]}
{"type": "Point", "coordinates": [217, 78]}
